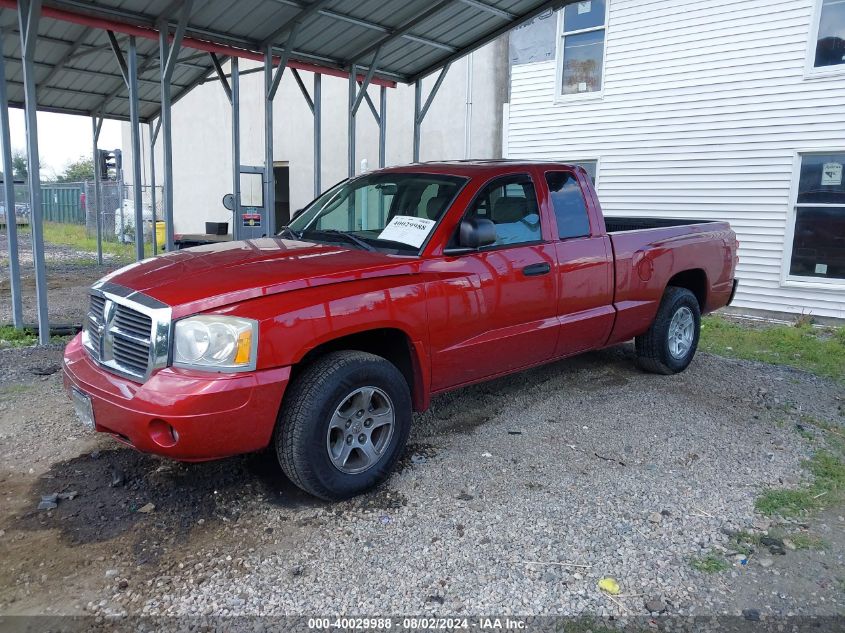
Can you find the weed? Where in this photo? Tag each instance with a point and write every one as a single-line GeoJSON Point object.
{"type": "Point", "coordinates": [13, 337]}
{"type": "Point", "coordinates": [829, 472]}
{"type": "Point", "coordinates": [709, 564]}
{"type": "Point", "coordinates": [802, 540]}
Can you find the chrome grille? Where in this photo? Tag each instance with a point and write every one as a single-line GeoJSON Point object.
{"type": "Point", "coordinates": [130, 332]}
{"type": "Point", "coordinates": [126, 332]}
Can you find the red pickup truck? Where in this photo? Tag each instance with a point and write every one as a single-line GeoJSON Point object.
{"type": "Point", "coordinates": [387, 289]}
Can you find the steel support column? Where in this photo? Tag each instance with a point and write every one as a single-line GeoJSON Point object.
{"type": "Point", "coordinates": [269, 180]}
{"type": "Point", "coordinates": [153, 237]}
{"type": "Point", "coordinates": [9, 190]}
{"type": "Point", "coordinates": [135, 122]}
{"type": "Point", "coordinates": [350, 129]}
{"type": "Point", "coordinates": [318, 132]}
{"type": "Point", "coordinates": [29, 12]}
{"type": "Point", "coordinates": [382, 127]}
{"type": "Point", "coordinates": [420, 109]}
{"type": "Point", "coordinates": [96, 125]}
{"type": "Point", "coordinates": [168, 54]}
{"type": "Point", "coordinates": [417, 106]}
{"type": "Point", "coordinates": [236, 148]}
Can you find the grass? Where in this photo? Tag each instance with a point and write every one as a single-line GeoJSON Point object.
{"type": "Point", "coordinates": [828, 470]}
{"type": "Point", "coordinates": [13, 337]}
{"type": "Point", "coordinates": [807, 541]}
{"type": "Point", "coordinates": [819, 351]}
{"type": "Point", "coordinates": [75, 236]}
{"type": "Point", "coordinates": [710, 564]}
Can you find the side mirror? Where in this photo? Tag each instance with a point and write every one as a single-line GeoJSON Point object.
{"type": "Point", "coordinates": [229, 202]}
{"type": "Point", "coordinates": [476, 232]}
{"type": "Point", "coordinates": [473, 234]}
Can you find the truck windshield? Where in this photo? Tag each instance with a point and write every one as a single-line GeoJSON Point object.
{"type": "Point", "coordinates": [393, 212]}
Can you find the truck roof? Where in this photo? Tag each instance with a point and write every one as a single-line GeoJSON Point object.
{"type": "Point", "coordinates": [474, 167]}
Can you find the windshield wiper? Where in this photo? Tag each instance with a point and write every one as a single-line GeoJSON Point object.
{"type": "Point", "coordinates": [349, 237]}
{"type": "Point", "coordinates": [290, 232]}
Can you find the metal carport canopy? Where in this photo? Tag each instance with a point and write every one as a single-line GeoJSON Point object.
{"type": "Point", "coordinates": [76, 71]}
{"type": "Point", "coordinates": [131, 59]}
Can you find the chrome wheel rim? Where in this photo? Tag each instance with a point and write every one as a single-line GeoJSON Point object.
{"type": "Point", "coordinates": [360, 430]}
{"type": "Point", "coordinates": [681, 333]}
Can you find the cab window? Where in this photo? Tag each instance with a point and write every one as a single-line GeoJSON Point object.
{"type": "Point", "coordinates": [569, 205]}
{"type": "Point", "coordinates": [511, 204]}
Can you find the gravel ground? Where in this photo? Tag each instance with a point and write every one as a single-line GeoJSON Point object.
{"type": "Point", "coordinates": [515, 497]}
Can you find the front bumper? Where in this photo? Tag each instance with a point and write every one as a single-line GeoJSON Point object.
{"type": "Point", "coordinates": [185, 415]}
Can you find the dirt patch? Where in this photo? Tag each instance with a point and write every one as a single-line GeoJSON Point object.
{"type": "Point", "coordinates": [105, 494]}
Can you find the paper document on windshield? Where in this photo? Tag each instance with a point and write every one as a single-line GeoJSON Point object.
{"type": "Point", "coordinates": [407, 230]}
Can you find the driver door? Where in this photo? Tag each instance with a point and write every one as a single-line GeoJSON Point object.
{"type": "Point", "coordinates": [495, 310]}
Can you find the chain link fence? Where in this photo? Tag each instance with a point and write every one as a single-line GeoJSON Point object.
{"type": "Point", "coordinates": [118, 213]}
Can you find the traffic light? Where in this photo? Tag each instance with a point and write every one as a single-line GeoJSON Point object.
{"type": "Point", "coordinates": [110, 163]}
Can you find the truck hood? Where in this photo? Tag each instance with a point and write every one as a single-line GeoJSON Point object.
{"type": "Point", "coordinates": [207, 277]}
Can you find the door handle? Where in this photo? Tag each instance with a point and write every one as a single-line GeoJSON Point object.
{"type": "Point", "coordinates": [534, 270]}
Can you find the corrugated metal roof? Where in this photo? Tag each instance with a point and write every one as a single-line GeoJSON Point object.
{"type": "Point", "coordinates": [77, 73]}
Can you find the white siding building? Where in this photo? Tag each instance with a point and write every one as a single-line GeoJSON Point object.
{"type": "Point", "coordinates": [720, 109]}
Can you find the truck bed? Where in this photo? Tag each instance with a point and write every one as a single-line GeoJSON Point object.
{"type": "Point", "coordinates": [623, 224]}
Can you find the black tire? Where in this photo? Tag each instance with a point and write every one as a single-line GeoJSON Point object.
{"type": "Point", "coordinates": [653, 347]}
{"type": "Point", "coordinates": [306, 413]}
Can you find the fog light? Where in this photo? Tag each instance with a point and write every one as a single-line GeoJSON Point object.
{"type": "Point", "coordinates": [163, 434]}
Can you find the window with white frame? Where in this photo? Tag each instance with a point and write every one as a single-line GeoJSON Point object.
{"type": "Point", "coordinates": [818, 242]}
{"type": "Point", "coordinates": [830, 35]}
{"type": "Point", "coordinates": [581, 49]}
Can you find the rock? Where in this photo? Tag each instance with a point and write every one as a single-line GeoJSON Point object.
{"type": "Point", "coordinates": [117, 477]}
{"type": "Point", "coordinates": [666, 513]}
{"type": "Point", "coordinates": [123, 584]}
{"type": "Point", "coordinates": [436, 599]}
{"type": "Point", "coordinates": [68, 496]}
{"type": "Point", "coordinates": [655, 517]}
{"type": "Point", "coordinates": [418, 458]}
{"type": "Point", "coordinates": [655, 605]}
{"type": "Point", "coordinates": [752, 615]}
{"type": "Point", "coordinates": [49, 502]}
{"type": "Point", "coordinates": [464, 496]}
{"type": "Point", "coordinates": [761, 524]}
{"type": "Point", "coordinates": [147, 508]}
{"type": "Point", "coordinates": [789, 545]}
{"type": "Point", "coordinates": [111, 573]}
{"type": "Point", "coordinates": [296, 571]}
{"type": "Point", "coordinates": [766, 562]}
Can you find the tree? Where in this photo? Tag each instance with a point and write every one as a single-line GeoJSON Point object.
{"type": "Point", "coordinates": [20, 165]}
{"type": "Point", "coordinates": [77, 171]}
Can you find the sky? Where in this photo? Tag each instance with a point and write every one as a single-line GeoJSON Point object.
{"type": "Point", "coordinates": [62, 138]}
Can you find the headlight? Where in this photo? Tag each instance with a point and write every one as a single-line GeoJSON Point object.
{"type": "Point", "coordinates": [212, 342]}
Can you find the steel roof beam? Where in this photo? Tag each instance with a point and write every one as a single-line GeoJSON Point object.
{"type": "Point", "coordinates": [291, 26]}
{"type": "Point", "coordinates": [482, 6]}
{"type": "Point", "coordinates": [401, 30]}
{"type": "Point", "coordinates": [367, 24]}
{"type": "Point", "coordinates": [81, 93]}
{"type": "Point", "coordinates": [80, 41]}
{"type": "Point", "coordinates": [121, 61]}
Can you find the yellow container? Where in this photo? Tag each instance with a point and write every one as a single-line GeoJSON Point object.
{"type": "Point", "coordinates": [161, 237]}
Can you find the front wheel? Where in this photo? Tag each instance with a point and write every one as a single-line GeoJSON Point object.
{"type": "Point", "coordinates": [670, 343]}
{"type": "Point", "coordinates": [343, 424]}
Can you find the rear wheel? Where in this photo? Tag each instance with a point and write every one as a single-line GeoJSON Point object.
{"type": "Point", "coordinates": [343, 424]}
{"type": "Point", "coordinates": [670, 343]}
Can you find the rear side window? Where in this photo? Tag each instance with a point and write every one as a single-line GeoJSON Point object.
{"type": "Point", "coordinates": [568, 202]}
